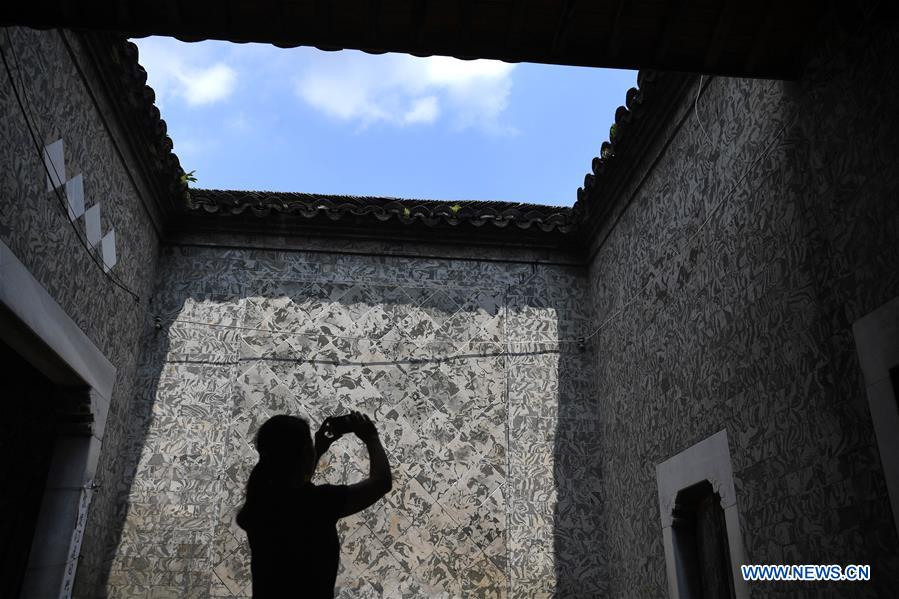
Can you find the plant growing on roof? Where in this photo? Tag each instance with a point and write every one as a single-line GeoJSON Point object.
{"type": "Point", "coordinates": [188, 177]}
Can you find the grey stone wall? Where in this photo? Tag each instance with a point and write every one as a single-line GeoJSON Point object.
{"type": "Point", "coordinates": [36, 229]}
{"type": "Point", "coordinates": [485, 416]}
{"type": "Point", "coordinates": [726, 293]}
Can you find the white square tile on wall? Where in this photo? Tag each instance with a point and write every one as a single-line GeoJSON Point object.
{"type": "Point", "coordinates": [75, 196]}
{"type": "Point", "coordinates": [55, 162]}
{"type": "Point", "coordinates": [92, 225]}
{"type": "Point", "coordinates": [108, 249]}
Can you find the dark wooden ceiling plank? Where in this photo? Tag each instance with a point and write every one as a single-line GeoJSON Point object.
{"type": "Point", "coordinates": [513, 24]}
{"type": "Point", "coordinates": [419, 14]}
{"type": "Point", "coordinates": [674, 16]}
{"type": "Point", "coordinates": [173, 13]}
{"type": "Point", "coordinates": [323, 22]}
{"type": "Point", "coordinates": [599, 33]}
{"type": "Point", "coordinates": [463, 21]}
{"type": "Point", "coordinates": [374, 22]}
{"type": "Point", "coordinates": [719, 36]}
{"type": "Point", "coordinates": [613, 47]}
{"type": "Point", "coordinates": [565, 12]}
{"type": "Point", "coordinates": [760, 46]}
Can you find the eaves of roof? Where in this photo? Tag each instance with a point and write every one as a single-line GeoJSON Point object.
{"type": "Point", "coordinates": [115, 61]}
{"type": "Point", "coordinates": [637, 124]}
{"type": "Point", "coordinates": [480, 223]}
{"type": "Point", "coordinates": [411, 212]}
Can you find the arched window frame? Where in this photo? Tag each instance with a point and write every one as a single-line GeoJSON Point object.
{"type": "Point", "coordinates": [707, 460]}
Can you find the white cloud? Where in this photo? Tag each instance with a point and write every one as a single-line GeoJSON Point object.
{"type": "Point", "coordinates": [179, 71]}
{"type": "Point", "coordinates": [208, 85]}
{"type": "Point", "coordinates": [404, 90]}
{"type": "Point", "coordinates": [424, 110]}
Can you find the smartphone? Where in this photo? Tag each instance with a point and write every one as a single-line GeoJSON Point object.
{"type": "Point", "coordinates": [338, 426]}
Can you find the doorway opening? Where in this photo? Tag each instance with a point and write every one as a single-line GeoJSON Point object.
{"type": "Point", "coordinates": [27, 439]}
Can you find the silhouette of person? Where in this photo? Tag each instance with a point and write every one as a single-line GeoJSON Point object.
{"type": "Point", "coordinates": [291, 522]}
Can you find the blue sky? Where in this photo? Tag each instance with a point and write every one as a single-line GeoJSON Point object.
{"type": "Point", "coordinates": [252, 116]}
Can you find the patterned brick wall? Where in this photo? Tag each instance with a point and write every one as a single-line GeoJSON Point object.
{"type": "Point", "coordinates": [37, 230]}
{"type": "Point", "coordinates": [456, 361]}
{"type": "Point", "coordinates": [728, 289]}
{"type": "Point", "coordinates": [524, 468]}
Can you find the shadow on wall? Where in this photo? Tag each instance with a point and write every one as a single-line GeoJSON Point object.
{"type": "Point", "coordinates": [580, 564]}
{"type": "Point", "coordinates": [444, 370]}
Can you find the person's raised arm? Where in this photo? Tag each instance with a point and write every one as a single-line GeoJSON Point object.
{"type": "Point", "coordinates": [380, 480]}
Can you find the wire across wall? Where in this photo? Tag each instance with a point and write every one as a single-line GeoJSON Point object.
{"type": "Point", "coordinates": [580, 342]}
{"type": "Point", "coordinates": [498, 346]}
{"type": "Point", "coordinates": [34, 132]}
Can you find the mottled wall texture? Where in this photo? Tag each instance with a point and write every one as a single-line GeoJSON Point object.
{"type": "Point", "coordinates": [34, 226]}
{"type": "Point", "coordinates": [726, 293]}
{"type": "Point", "coordinates": [486, 418]}
{"type": "Point", "coordinates": [724, 288]}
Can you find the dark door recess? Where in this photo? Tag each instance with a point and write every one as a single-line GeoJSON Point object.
{"type": "Point", "coordinates": [701, 545]}
{"type": "Point", "coordinates": [27, 436]}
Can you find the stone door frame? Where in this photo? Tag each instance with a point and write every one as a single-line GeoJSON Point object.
{"type": "Point", "coordinates": [707, 460]}
{"type": "Point", "coordinates": [877, 343]}
{"type": "Point", "coordinates": [35, 326]}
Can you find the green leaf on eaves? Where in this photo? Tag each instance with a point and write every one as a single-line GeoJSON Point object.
{"type": "Point", "coordinates": [188, 177]}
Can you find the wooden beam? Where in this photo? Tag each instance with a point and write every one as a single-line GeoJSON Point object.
{"type": "Point", "coordinates": [719, 36]}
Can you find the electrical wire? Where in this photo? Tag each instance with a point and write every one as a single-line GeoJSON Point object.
{"type": "Point", "coordinates": [696, 112]}
{"type": "Point", "coordinates": [481, 353]}
{"type": "Point", "coordinates": [64, 204]}
{"type": "Point", "coordinates": [308, 334]}
{"type": "Point", "coordinates": [103, 119]}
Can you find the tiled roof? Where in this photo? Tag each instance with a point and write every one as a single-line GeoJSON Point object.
{"type": "Point", "coordinates": [617, 133]}
{"type": "Point", "coordinates": [636, 124]}
{"type": "Point", "coordinates": [116, 61]}
{"type": "Point", "coordinates": [431, 213]}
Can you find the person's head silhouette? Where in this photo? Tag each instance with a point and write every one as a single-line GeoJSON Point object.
{"type": "Point", "coordinates": [285, 447]}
